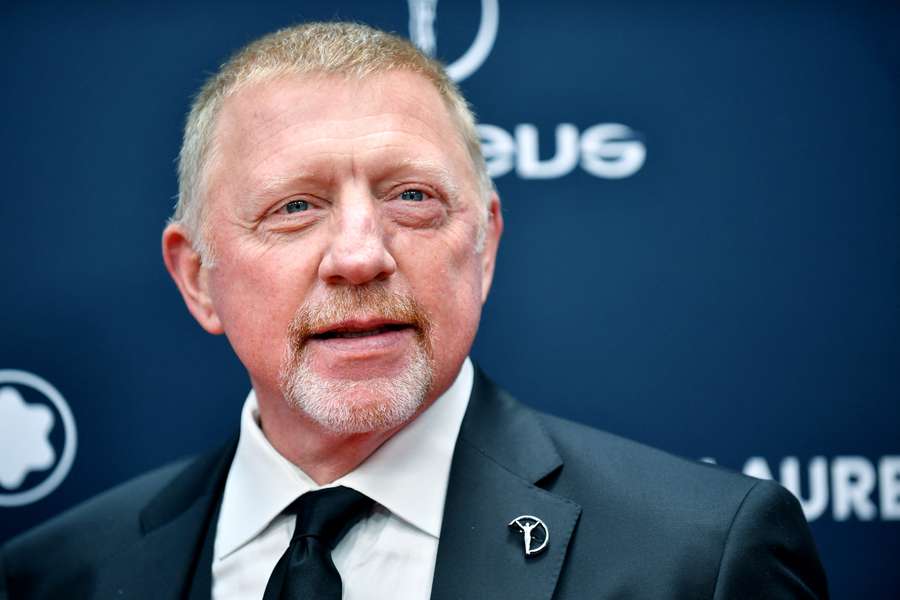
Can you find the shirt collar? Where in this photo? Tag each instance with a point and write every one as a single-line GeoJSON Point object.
{"type": "Point", "coordinates": [407, 475]}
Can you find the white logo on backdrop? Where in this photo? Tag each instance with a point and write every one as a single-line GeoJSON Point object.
{"type": "Point", "coordinates": [604, 150]}
{"type": "Point", "coordinates": [422, 17]}
{"type": "Point", "coordinates": [853, 487]}
{"type": "Point", "coordinates": [25, 445]}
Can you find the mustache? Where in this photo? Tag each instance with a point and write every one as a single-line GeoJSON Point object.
{"type": "Point", "coordinates": [348, 303]}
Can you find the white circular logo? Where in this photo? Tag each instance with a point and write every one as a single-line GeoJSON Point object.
{"type": "Point", "coordinates": [422, 15]}
{"type": "Point", "coordinates": [25, 438]}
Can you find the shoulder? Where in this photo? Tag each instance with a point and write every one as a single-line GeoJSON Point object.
{"type": "Point", "coordinates": [710, 531]}
{"type": "Point", "coordinates": [87, 533]}
{"type": "Point", "coordinates": [598, 460]}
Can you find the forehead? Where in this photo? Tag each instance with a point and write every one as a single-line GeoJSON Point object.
{"type": "Point", "coordinates": [394, 116]}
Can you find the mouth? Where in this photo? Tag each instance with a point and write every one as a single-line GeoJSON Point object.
{"type": "Point", "coordinates": [359, 329]}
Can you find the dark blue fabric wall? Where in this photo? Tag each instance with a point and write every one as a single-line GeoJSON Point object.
{"type": "Point", "coordinates": [701, 247]}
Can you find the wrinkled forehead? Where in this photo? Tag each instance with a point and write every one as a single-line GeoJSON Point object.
{"type": "Point", "coordinates": [397, 112]}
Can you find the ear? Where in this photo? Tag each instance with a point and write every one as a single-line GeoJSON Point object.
{"type": "Point", "coordinates": [191, 276]}
{"type": "Point", "coordinates": [492, 233]}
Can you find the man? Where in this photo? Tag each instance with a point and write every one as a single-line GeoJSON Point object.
{"type": "Point", "coordinates": [336, 222]}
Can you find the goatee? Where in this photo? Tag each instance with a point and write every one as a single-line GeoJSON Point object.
{"type": "Point", "coordinates": [348, 406]}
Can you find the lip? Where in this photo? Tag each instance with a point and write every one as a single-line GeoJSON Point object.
{"type": "Point", "coordinates": [393, 340]}
{"type": "Point", "coordinates": [359, 326]}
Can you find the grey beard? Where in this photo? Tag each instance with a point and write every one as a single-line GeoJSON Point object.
{"type": "Point", "coordinates": [344, 406]}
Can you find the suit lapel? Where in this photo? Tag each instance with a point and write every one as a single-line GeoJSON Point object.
{"type": "Point", "coordinates": [500, 459]}
{"type": "Point", "coordinates": [173, 524]}
{"type": "Point", "coordinates": [501, 456]}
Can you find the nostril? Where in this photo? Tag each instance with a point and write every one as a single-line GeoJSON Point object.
{"type": "Point", "coordinates": [357, 265]}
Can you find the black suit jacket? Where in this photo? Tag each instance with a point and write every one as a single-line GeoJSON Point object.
{"type": "Point", "coordinates": [625, 521]}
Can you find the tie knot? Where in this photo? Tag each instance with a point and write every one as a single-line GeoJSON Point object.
{"type": "Point", "coordinates": [328, 514]}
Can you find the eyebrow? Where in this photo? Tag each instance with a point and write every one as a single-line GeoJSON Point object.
{"type": "Point", "coordinates": [274, 185]}
{"type": "Point", "coordinates": [433, 169]}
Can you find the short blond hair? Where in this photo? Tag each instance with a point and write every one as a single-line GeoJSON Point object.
{"type": "Point", "coordinates": [350, 49]}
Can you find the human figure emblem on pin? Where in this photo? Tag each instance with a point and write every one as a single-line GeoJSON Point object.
{"type": "Point", "coordinates": [535, 533]}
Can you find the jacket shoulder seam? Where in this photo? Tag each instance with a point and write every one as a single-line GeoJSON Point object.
{"type": "Point", "coordinates": [728, 536]}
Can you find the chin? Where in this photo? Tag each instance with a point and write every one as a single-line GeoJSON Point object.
{"type": "Point", "coordinates": [352, 406]}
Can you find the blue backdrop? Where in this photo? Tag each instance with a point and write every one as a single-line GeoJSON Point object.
{"type": "Point", "coordinates": [701, 247]}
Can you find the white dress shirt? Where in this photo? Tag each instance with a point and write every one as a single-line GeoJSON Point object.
{"type": "Point", "coordinates": [389, 554]}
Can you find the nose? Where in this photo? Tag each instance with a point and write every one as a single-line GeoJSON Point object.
{"type": "Point", "coordinates": [357, 253]}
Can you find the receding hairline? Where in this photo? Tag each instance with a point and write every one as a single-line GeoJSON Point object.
{"type": "Point", "coordinates": [226, 115]}
{"type": "Point", "coordinates": [349, 50]}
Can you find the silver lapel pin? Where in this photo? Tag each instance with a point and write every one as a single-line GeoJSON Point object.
{"type": "Point", "coordinates": [534, 532]}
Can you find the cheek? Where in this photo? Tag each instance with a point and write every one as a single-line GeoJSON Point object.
{"type": "Point", "coordinates": [441, 263]}
{"type": "Point", "coordinates": [256, 295]}
{"type": "Point", "coordinates": [445, 276]}
{"type": "Point", "coordinates": [248, 312]}
{"type": "Point", "coordinates": [454, 304]}
{"type": "Point", "coordinates": [254, 275]}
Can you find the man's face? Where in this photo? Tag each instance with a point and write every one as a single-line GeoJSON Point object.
{"type": "Point", "coordinates": [344, 218]}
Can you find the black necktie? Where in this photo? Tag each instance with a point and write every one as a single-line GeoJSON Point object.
{"type": "Point", "coordinates": [305, 571]}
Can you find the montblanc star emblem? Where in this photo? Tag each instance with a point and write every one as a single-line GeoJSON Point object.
{"type": "Point", "coordinates": [535, 533]}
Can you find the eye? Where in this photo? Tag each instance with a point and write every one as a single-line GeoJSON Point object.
{"type": "Point", "coordinates": [296, 206]}
{"type": "Point", "coordinates": [413, 195]}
